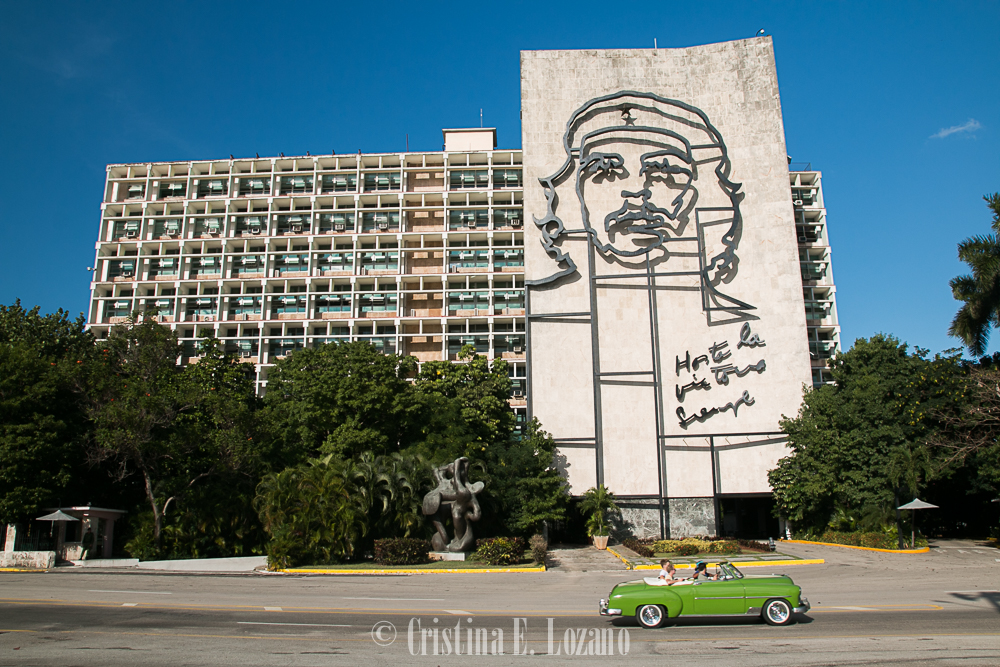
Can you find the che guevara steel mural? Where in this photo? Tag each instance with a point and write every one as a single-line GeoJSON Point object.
{"type": "Point", "coordinates": [651, 179]}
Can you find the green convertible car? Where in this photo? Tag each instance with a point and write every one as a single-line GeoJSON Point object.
{"type": "Point", "coordinates": [773, 597]}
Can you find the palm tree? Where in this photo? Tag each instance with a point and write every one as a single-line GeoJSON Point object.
{"type": "Point", "coordinates": [980, 292]}
{"type": "Point", "coordinates": [600, 504]}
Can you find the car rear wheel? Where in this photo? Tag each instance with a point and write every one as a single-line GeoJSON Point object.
{"type": "Point", "coordinates": [777, 612]}
{"type": "Point", "coordinates": [651, 615]}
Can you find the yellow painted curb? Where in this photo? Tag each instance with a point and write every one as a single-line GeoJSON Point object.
{"type": "Point", "coordinates": [620, 557]}
{"type": "Point", "coordinates": [19, 569]}
{"type": "Point", "coordinates": [492, 570]}
{"type": "Point", "coordinates": [749, 563]}
{"type": "Point", "coordinates": [850, 546]}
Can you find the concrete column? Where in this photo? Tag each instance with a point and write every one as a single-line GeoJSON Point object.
{"type": "Point", "coordinates": [109, 533]}
{"type": "Point", "coordinates": [11, 537]}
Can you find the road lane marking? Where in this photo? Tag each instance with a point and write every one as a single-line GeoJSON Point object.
{"type": "Point", "coordinates": [457, 612]}
{"type": "Point", "coordinates": [130, 604]}
{"type": "Point", "coordinates": [139, 592]}
{"type": "Point", "coordinates": [272, 608]}
{"type": "Point", "coordinates": [311, 625]}
{"type": "Point", "coordinates": [400, 599]}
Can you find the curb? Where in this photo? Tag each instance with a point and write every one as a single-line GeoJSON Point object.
{"type": "Point", "coordinates": [22, 569]}
{"type": "Point", "coordinates": [485, 570]}
{"type": "Point", "coordinates": [804, 561]}
{"type": "Point", "coordinates": [849, 546]}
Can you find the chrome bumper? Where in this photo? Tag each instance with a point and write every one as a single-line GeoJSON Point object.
{"type": "Point", "coordinates": [805, 606]}
{"type": "Point", "coordinates": [604, 611]}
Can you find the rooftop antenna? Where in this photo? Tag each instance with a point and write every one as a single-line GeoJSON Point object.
{"type": "Point", "coordinates": [480, 118]}
{"type": "Point", "coordinates": [760, 32]}
{"type": "Point", "coordinates": [407, 143]}
{"type": "Point", "coordinates": [654, 42]}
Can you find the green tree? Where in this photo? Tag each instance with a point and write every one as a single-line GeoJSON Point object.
{"type": "Point", "coordinates": [861, 444]}
{"type": "Point", "coordinates": [341, 399]}
{"type": "Point", "coordinates": [41, 426]}
{"type": "Point", "coordinates": [979, 292]}
{"type": "Point", "coordinates": [311, 514]}
{"type": "Point", "coordinates": [174, 427]}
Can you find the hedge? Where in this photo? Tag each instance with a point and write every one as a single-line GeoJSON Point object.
{"type": "Point", "coordinates": [500, 550]}
{"type": "Point", "coordinates": [869, 540]}
{"type": "Point", "coordinates": [638, 547]}
{"type": "Point", "coordinates": [401, 551]}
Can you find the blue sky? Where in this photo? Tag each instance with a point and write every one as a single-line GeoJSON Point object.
{"type": "Point", "coordinates": [897, 103]}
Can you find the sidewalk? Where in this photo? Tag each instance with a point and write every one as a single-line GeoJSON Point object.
{"type": "Point", "coordinates": [582, 558]}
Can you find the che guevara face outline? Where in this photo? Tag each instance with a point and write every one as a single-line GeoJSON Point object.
{"type": "Point", "coordinates": [649, 173]}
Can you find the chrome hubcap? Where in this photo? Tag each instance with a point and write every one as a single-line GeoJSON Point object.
{"type": "Point", "coordinates": [778, 612]}
{"type": "Point", "coordinates": [650, 614]}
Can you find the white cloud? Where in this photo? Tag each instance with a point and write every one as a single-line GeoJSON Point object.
{"type": "Point", "coordinates": [970, 125]}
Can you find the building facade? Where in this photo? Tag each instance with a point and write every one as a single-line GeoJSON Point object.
{"type": "Point", "coordinates": [654, 270]}
{"type": "Point", "coordinates": [417, 253]}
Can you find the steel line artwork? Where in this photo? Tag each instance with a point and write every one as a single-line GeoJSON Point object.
{"type": "Point", "coordinates": [679, 145]}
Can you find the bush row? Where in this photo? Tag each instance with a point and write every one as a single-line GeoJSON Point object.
{"type": "Point", "coordinates": [500, 550]}
{"type": "Point", "coordinates": [869, 540]}
{"type": "Point", "coordinates": [640, 547]}
{"type": "Point", "coordinates": [401, 551]}
{"type": "Point", "coordinates": [690, 546]}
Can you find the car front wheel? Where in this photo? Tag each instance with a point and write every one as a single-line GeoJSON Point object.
{"type": "Point", "coordinates": [651, 615]}
{"type": "Point", "coordinates": [777, 612]}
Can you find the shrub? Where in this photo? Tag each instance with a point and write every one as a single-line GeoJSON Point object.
{"type": "Point", "coordinates": [638, 547]}
{"type": "Point", "coordinates": [727, 547]}
{"type": "Point", "coordinates": [539, 548]}
{"type": "Point", "coordinates": [686, 549]}
{"type": "Point", "coordinates": [401, 551]}
{"type": "Point", "coordinates": [869, 540]}
{"type": "Point", "coordinates": [500, 550]}
{"type": "Point", "coordinates": [753, 545]}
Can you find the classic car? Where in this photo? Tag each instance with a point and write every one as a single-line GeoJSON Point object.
{"type": "Point", "coordinates": [653, 601]}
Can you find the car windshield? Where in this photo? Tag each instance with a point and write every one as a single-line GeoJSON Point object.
{"type": "Point", "coordinates": [730, 571]}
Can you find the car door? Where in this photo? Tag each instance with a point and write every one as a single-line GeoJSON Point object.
{"type": "Point", "coordinates": [719, 597]}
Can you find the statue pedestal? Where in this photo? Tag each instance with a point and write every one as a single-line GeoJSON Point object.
{"type": "Point", "coordinates": [447, 555]}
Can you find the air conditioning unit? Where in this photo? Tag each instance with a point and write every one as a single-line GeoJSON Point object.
{"type": "Point", "coordinates": [131, 233]}
{"type": "Point", "coordinates": [518, 393]}
{"type": "Point", "coordinates": [297, 228]}
{"type": "Point", "coordinates": [339, 228]}
{"type": "Point", "coordinates": [518, 348]}
{"type": "Point", "coordinates": [255, 231]}
{"type": "Point", "coordinates": [797, 202]}
{"type": "Point", "coordinates": [383, 225]}
{"type": "Point", "coordinates": [515, 223]}
{"type": "Point", "coordinates": [246, 353]}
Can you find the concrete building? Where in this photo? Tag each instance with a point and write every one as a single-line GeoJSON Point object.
{"type": "Point", "coordinates": [679, 293]}
{"type": "Point", "coordinates": [675, 268]}
{"type": "Point", "coordinates": [417, 253]}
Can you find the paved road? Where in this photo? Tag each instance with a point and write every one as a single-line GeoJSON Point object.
{"type": "Point", "coordinates": [942, 608]}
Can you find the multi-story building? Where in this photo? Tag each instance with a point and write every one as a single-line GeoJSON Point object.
{"type": "Point", "coordinates": [818, 290]}
{"type": "Point", "coordinates": [418, 253]}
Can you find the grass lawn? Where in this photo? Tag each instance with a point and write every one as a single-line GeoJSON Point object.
{"type": "Point", "coordinates": [437, 565]}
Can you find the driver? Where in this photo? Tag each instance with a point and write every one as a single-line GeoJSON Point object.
{"type": "Point", "coordinates": [701, 571]}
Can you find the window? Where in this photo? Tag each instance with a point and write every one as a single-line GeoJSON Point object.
{"type": "Point", "coordinates": [378, 302]}
{"type": "Point", "coordinates": [294, 224]}
{"type": "Point", "coordinates": [254, 186]}
{"type": "Point", "coordinates": [202, 307]}
{"type": "Point", "coordinates": [468, 259]}
{"type": "Point", "coordinates": [166, 266]}
{"type": "Point", "coordinates": [296, 184]}
{"type": "Point", "coordinates": [252, 225]}
{"type": "Point", "coordinates": [336, 222]}
{"type": "Point", "coordinates": [508, 258]}
{"type": "Point", "coordinates": [507, 178]}
{"type": "Point", "coordinates": [384, 181]}
{"type": "Point", "coordinates": [469, 179]}
{"type": "Point", "coordinates": [128, 230]}
{"type": "Point", "coordinates": [468, 301]}
{"type": "Point", "coordinates": [167, 227]}
{"type": "Point", "coordinates": [336, 261]}
{"type": "Point", "coordinates": [248, 264]}
{"type": "Point", "coordinates": [160, 307]}
{"type": "Point", "coordinates": [470, 219]}
{"type": "Point", "coordinates": [213, 188]}
{"type": "Point", "coordinates": [509, 299]}
{"type": "Point", "coordinates": [387, 221]}
{"type": "Point", "coordinates": [334, 303]}
{"type": "Point", "coordinates": [173, 189]}
{"type": "Point", "coordinates": [282, 348]}
{"type": "Point", "coordinates": [211, 226]}
{"type": "Point", "coordinates": [122, 308]}
{"type": "Point", "coordinates": [380, 261]}
{"type": "Point", "coordinates": [340, 183]}
{"type": "Point", "coordinates": [290, 304]}
{"type": "Point", "coordinates": [507, 217]}
{"type": "Point", "coordinates": [245, 305]}
{"type": "Point", "coordinates": [136, 191]}
{"type": "Point", "coordinates": [121, 269]}
{"type": "Point", "coordinates": [292, 263]}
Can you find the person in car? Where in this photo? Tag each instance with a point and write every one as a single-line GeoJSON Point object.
{"type": "Point", "coordinates": [667, 571]}
{"type": "Point", "coordinates": [701, 572]}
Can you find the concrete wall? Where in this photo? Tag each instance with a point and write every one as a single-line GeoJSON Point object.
{"type": "Point", "coordinates": [37, 560]}
{"type": "Point", "coordinates": [718, 214]}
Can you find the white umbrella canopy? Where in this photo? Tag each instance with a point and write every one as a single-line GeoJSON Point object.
{"type": "Point", "coordinates": [58, 515]}
{"type": "Point", "coordinates": [917, 504]}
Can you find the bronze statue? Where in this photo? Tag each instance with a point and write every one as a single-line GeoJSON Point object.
{"type": "Point", "coordinates": [456, 496]}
